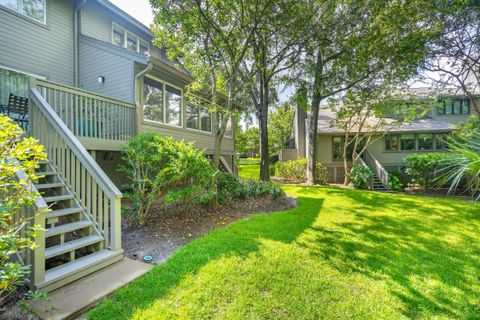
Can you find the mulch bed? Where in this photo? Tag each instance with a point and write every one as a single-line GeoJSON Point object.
{"type": "Point", "coordinates": [170, 228]}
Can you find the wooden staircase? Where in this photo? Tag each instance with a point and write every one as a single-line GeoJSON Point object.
{"type": "Point", "coordinates": [378, 184]}
{"type": "Point", "coordinates": [74, 245]}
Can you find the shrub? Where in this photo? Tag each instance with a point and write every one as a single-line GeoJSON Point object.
{"type": "Point", "coordinates": [230, 187]}
{"type": "Point", "coordinates": [394, 181]}
{"type": "Point", "coordinates": [421, 168]}
{"type": "Point", "coordinates": [161, 168]}
{"type": "Point", "coordinates": [358, 175]}
{"type": "Point", "coordinates": [14, 196]}
{"type": "Point", "coordinates": [296, 170]}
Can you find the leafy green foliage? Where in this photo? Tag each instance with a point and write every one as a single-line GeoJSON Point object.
{"type": "Point", "coordinates": [296, 170]}
{"type": "Point", "coordinates": [248, 142]}
{"type": "Point", "coordinates": [17, 155]}
{"type": "Point", "coordinates": [161, 168]}
{"type": "Point", "coordinates": [231, 187]}
{"type": "Point", "coordinates": [462, 166]}
{"type": "Point", "coordinates": [422, 167]}
{"type": "Point", "coordinates": [358, 175]}
{"type": "Point", "coordinates": [280, 127]}
{"type": "Point", "coordinates": [394, 181]}
{"type": "Point", "coordinates": [466, 129]}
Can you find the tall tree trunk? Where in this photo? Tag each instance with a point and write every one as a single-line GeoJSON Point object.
{"type": "Point", "coordinates": [263, 123]}
{"type": "Point", "coordinates": [346, 178]}
{"type": "Point", "coordinates": [313, 121]}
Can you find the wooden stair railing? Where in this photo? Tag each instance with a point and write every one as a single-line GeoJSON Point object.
{"type": "Point", "coordinates": [88, 114]}
{"type": "Point", "coordinates": [377, 168]}
{"type": "Point", "coordinates": [85, 180]}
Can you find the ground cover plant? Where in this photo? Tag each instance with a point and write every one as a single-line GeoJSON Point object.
{"type": "Point", "coordinates": [339, 254]}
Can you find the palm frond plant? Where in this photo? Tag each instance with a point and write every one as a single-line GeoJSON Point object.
{"type": "Point", "coordinates": [462, 167]}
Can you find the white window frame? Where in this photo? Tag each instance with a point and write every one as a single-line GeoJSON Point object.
{"type": "Point", "coordinates": [20, 12]}
{"type": "Point", "coordinates": [125, 37]}
{"type": "Point", "coordinates": [164, 106]}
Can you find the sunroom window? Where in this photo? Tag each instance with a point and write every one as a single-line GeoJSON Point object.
{"type": "Point", "coordinates": [425, 141]}
{"type": "Point", "coordinates": [392, 142]}
{"type": "Point", "coordinates": [173, 106]}
{"type": "Point", "coordinates": [153, 107]}
{"type": "Point", "coordinates": [205, 120]}
{"type": "Point", "coordinates": [407, 141]}
{"type": "Point", "coordinates": [34, 9]}
{"type": "Point", "coordinates": [193, 115]}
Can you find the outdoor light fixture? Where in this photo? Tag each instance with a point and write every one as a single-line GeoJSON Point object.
{"type": "Point", "coordinates": [101, 79]}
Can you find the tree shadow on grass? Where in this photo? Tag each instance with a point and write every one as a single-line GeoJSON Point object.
{"type": "Point", "coordinates": [428, 253]}
{"type": "Point", "coordinates": [239, 239]}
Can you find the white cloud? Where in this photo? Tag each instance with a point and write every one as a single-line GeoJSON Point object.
{"type": "Point", "coordinates": [139, 9]}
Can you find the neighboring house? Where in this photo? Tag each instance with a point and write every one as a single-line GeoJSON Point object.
{"type": "Point", "coordinates": [94, 79]}
{"type": "Point", "coordinates": [387, 153]}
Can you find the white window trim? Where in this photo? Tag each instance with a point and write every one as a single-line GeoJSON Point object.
{"type": "Point", "coordinates": [20, 12]}
{"type": "Point", "coordinates": [164, 97]}
{"type": "Point", "coordinates": [125, 36]}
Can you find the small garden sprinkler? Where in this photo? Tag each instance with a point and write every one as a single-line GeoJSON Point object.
{"type": "Point", "coordinates": [147, 259]}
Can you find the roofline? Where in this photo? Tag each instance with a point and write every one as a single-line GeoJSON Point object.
{"type": "Point", "coordinates": [110, 6]}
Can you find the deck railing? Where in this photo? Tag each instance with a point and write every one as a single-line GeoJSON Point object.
{"type": "Point", "coordinates": [91, 186]}
{"type": "Point", "coordinates": [87, 114]}
{"type": "Point", "coordinates": [377, 168]}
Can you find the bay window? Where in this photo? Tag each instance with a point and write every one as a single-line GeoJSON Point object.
{"type": "Point", "coordinates": [34, 9]}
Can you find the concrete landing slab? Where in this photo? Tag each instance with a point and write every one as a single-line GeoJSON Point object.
{"type": "Point", "coordinates": [77, 297]}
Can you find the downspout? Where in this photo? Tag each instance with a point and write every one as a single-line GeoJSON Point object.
{"type": "Point", "coordinates": [76, 50]}
{"type": "Point", "coordinates": [138, 92]}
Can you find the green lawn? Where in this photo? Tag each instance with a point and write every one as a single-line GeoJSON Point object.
{"type": "Point", "coordinates": [340, 254]}
{"type": "Point", "coordinates": [249, 168]}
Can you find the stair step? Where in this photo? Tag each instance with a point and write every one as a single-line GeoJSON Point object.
{"type": "Point", "coordinates": [50, 232]}
{"type": "Point", "coordinates": [58, 198]}
{"type": "Point", "coordinates": [45, 173]}
{"type": "Point", "coordinates": [58, 276]}
{"type": "Point", "coordinates": [49, 185]}
{"type": "Point", "coordinates": [63, 212]}
{"type": "Point", "coordinates": [71, 246]}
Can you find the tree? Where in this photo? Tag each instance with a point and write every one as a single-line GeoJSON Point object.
{"type": "Point", "coordinates": [277, 46]}
{"type": "Point", "coordinates": [280, 127]}
{"type": "Point", "coordinates": [212, 39]}
{"type": "Point", "coordinates": [361, 41]}
{"type": "Point", "coordinates": [456, 59]}
{"type": "Point", "coordinates": [17, 156]}
{"type": "Point", "coordinates": [248, 142]}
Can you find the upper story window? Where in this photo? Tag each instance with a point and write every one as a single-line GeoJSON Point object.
{"type": "Point", "coordinates": [454, 107]}
{"type": "Point", "coordinates": [34, 9]}
{"type": "Point", "coordinates": [125, 39]}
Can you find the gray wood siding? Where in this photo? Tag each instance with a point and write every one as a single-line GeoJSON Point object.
{"type": "Point", "coordinates": [117, 70]}
{"type": "Point", "coordinates": [45, 50]}
{"type": "Point", "coordinates": [96, 22]}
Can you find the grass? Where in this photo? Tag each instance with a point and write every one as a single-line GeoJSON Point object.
{"type": "Point", "coordinates": [340, 254]}
{"type": "Point", "coordinates": [249, 168]}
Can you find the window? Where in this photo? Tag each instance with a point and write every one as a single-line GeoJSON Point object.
{"type": "Point", "coordinates": [454, 107]}
{"type": "Point", "coordinates": [229, 129]}
{"type": "Point", "coordinates": [205, 120]}
{"type": "Point", "coordinates": [173, 106]}
{"type": "Point", "coordinates": [122, 38]}
{"type": "Point", "coordinates": [34, 9]}
{"type": "Point", "coordinates": [338, 143]}
{"type": "Point", "coordinates": [425, 141]}
{"type": "Point", "coordinates": [132, 42]}
{"type": "Point", "coordinates": [392, 142]}
{"type": "Point", "coordinates": [441, 141]}
{"type": "Point", "coordinates": [153, 108]}
{"type": "Point", "coordinates": [407, 141]}
{"type": "Point", "coordinates": [193, 115]}
{"type": "Point", "coordinates": [143, 47]}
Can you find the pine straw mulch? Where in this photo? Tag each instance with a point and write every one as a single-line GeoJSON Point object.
{"type": "Point", "coordinates": [169, 228]}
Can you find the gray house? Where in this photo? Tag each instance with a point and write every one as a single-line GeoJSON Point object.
{"type": "Point", "coordinates": [94, 79]}
{"type": "Point", "coordinates": [387, 153]}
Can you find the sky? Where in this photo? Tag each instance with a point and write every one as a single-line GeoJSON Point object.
{"type": "Point", "coordinates": [139, 9]}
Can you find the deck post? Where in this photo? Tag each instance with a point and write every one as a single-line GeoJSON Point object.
{"type": "Point", "coordinates": [116, 223]}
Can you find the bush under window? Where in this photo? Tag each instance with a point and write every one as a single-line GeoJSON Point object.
{"type": "Point", "coordinates": [296, 170]}
{"type": "Point", "coordinates": [421, 168]}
